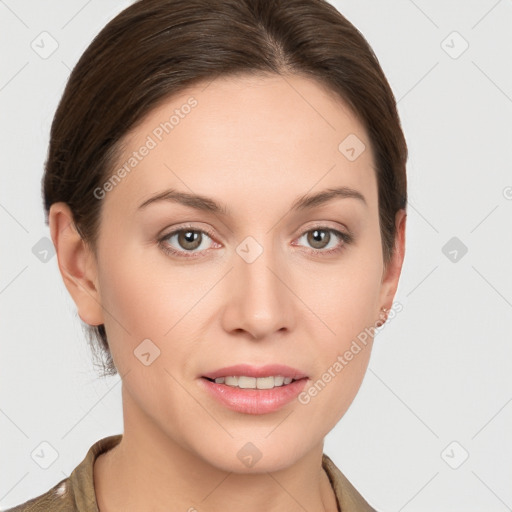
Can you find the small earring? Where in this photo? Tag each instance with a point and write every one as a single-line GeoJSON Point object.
{"type": "Point", "coordinates": [383, 316]}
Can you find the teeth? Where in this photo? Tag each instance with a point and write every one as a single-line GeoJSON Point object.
{"type": "Point", "coordinates": [264, 383]}
{"type": "Point", "coordinates": [245, 382]}
{"type": "Point", "coordinates": [278, 381]}
{"type": "Point", "coordinates": [231, 381]}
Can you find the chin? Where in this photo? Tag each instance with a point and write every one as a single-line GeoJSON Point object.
{"type": "Point", "coordinates": [254, 454]}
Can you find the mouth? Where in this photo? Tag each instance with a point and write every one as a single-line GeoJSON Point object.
{"type": "Point", "coordinates": [245, 376]}
{"type": "Point", "coordinates": [254, 390]}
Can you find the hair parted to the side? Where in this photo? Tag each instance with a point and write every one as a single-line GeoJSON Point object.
{"type": "Point", "coordinates": [156, 48]}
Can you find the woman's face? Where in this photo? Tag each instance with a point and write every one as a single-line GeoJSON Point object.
{"type": "Point", "coordinates": [252, 281]}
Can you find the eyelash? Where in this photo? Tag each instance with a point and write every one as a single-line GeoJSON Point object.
{"type": "Point", "coordinates": [345, 237]}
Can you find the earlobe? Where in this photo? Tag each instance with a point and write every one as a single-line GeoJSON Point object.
{"type": "Point", "coordinates": [393, 270]}
{"type": "Point", "coordinates": [77, 264]}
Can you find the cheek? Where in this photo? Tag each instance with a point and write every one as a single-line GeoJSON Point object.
{"type": "Point", "coordinates": [141, 292]}
{"type": "Point", "coordinates": [342, 353]}
{"type": "Point", "coordinates": [346, 303]}
{"type": "Point", "coordinates": [147, 297]}
{"type": "Point", "coordinates": [344, 298]}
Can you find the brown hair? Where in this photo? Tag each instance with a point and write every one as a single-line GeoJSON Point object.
{"type": "Point", "coordinates": [156, 48]}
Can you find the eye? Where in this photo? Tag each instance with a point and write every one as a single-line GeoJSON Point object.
{"type": "Point", "coordinates": [186, 240]}
{"type": "Point", "coordinates": [321, 239]}
{"type": "Point", "coordinates": [189, 242]}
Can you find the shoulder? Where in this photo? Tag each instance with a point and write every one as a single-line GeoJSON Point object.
{"type": "Point", "coordinates": [58, 499]}
{"type": "Point", "coordinates": [349, 499]}
{"type": "Point", "coordinates": [75, 493]}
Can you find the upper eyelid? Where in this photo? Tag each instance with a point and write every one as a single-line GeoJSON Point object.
{"type": "Point", "coordinates": [210, 233]}
{"type": "Point", "coordinates": [190, 228]}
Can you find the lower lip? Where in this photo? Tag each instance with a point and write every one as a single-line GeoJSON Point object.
{"type": "Point", "coordinates": [254, 401]}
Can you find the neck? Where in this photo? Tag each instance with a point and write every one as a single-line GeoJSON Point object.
{"type": "Point", "coordinates": [148, 470]}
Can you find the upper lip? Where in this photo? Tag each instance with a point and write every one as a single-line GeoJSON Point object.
{"type": "Point", "coordinates": [268, 370]}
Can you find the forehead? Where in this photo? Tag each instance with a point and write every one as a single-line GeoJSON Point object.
{"type": "Point", "coordinates": [246, 135]}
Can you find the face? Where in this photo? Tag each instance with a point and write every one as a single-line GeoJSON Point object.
{"type": "Point", "coordinates": [187, 288]}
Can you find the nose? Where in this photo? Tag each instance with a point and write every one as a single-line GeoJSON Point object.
{"type": "Point", "coordinates": [260, 299]}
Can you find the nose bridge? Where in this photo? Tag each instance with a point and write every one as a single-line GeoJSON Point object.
{"type": "Point", "coordinates": [260, 302]}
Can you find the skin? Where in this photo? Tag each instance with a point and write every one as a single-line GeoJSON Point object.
{"type": "Point", "coordinates": [255, 144]}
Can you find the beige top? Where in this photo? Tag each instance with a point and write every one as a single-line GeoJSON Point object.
{"type": "Point", "coordinates": [76, 493]}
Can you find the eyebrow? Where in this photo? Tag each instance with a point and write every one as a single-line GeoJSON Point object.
{"type": "Point", "coordinates": [208, 204]}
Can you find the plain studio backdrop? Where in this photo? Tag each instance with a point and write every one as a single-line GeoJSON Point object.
{"type": "Point", "coordinates": [430, 429]}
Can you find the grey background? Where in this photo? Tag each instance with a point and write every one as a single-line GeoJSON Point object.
{"type": "Point", "coordinates": [439, 385]}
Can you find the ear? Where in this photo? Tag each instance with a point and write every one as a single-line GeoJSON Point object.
{"type": "Point", "coordinates": [77, 264]}
{"type": "Point", "coordinates": [391, 273]}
